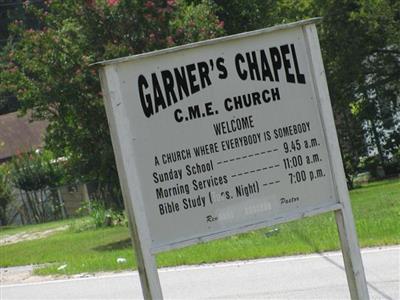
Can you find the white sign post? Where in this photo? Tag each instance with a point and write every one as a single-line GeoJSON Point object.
{"type": "Point", "coordinates": [225, 136]}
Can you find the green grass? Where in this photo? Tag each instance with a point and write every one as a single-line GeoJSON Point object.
{"type": "Point", "coordinates": [376, 209]}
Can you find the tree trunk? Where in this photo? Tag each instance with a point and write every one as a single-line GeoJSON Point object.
{"type": "Point", "coordinates": [378, 147]}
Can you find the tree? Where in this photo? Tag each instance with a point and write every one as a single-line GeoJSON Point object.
{"type": "Point", "coordinates": [344, 46]}
{"type": "Point", "coordinates": [360, 48]}
{"type": "Point", "coordinates": [361, 42]}
{"type": "Point", "coordinates": [49, 68]}
{"type": "Point", "coordinates": [9, 10]}
{"type": "Point", "coordinates": [240, 16]}
{"type": "Point", "coordinates": [378, 104]}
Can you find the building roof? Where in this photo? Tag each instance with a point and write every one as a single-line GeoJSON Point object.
{"type": "Point", "coordinates": [19, 135]}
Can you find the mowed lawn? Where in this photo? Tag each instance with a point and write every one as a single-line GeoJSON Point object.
{"type": "Point", "coordinates": [376, 209]}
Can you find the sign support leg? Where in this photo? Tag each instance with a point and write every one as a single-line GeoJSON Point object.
{"type": "Point", "coordinates": [351, 255]}
{"type": "Point", "coordinates": [140, 234]}
{"type": "Point", "coordinates": [344, 217]}
{"type": "Point", "coordinates": [147, 269]}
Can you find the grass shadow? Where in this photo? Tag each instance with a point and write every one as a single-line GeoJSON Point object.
{"type": "Point", "coordinates": [115, 246]}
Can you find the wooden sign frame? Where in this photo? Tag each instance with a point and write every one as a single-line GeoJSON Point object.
{"type": "Point", "coordinates": [124, 152]}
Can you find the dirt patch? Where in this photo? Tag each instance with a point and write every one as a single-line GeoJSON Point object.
{"type": "Point", "coordinates": [24, 274]}
{"type": "Point", "coordinates": [28, 236]}
{"type": "Point", "coordinates": [16, 274]}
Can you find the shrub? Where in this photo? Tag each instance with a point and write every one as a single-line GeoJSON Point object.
{"type": "Point", "coordinates": [100, 216]}
{"type": "Point", "coordinates": [392, 167]}
{"type": "Point", "coordinates": [6, 194]}
{"type": "Point", "coordinates": [372, 164]}
{"type": "Point", "coordinates": [36, 173]}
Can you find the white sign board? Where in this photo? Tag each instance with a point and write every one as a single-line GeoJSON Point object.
{"type": "Point", "coordinates": [225, 136]}
{"type": "Point", "coordinates": [220, 137]}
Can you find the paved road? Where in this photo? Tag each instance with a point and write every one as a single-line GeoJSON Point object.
{"type": "Point", "coordinates": [296, 277]}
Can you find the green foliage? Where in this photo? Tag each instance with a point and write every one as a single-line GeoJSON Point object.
{"type": "Point", "coordinates": [372, 165]}
{"type": "Point", "coordinates": [361, 48]}
{"type": "Point", "coordinates": [196, 22]}
{"type": "Point", "coordinates": [48, 68]}
{"type": "Point", "coordinates": [100, 216]}
{"type": "Point", "coordinates": [360, 43]}
{"type": "Point", "coordinates": [369, 164]}
{"type": "Point", "coordinates": [6, 193]}
{"type": "Point", "coordinates": [38, 175]}
{"type": "Point", "coordinates": [46, 65]}
{"type": "Point", "coordinates": [36, 171]}
{"type": "Point", "coordinates": [8, 104]}
{"type": "Point", "coordinates": [240, 16]}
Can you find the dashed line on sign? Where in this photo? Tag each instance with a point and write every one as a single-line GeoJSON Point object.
{"type": "Point", "coordinates": [256, 170]}
{"type": "Point", "coordinates": [271, 183]}
{"type": "Point", "coordinates": [246, 156]}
